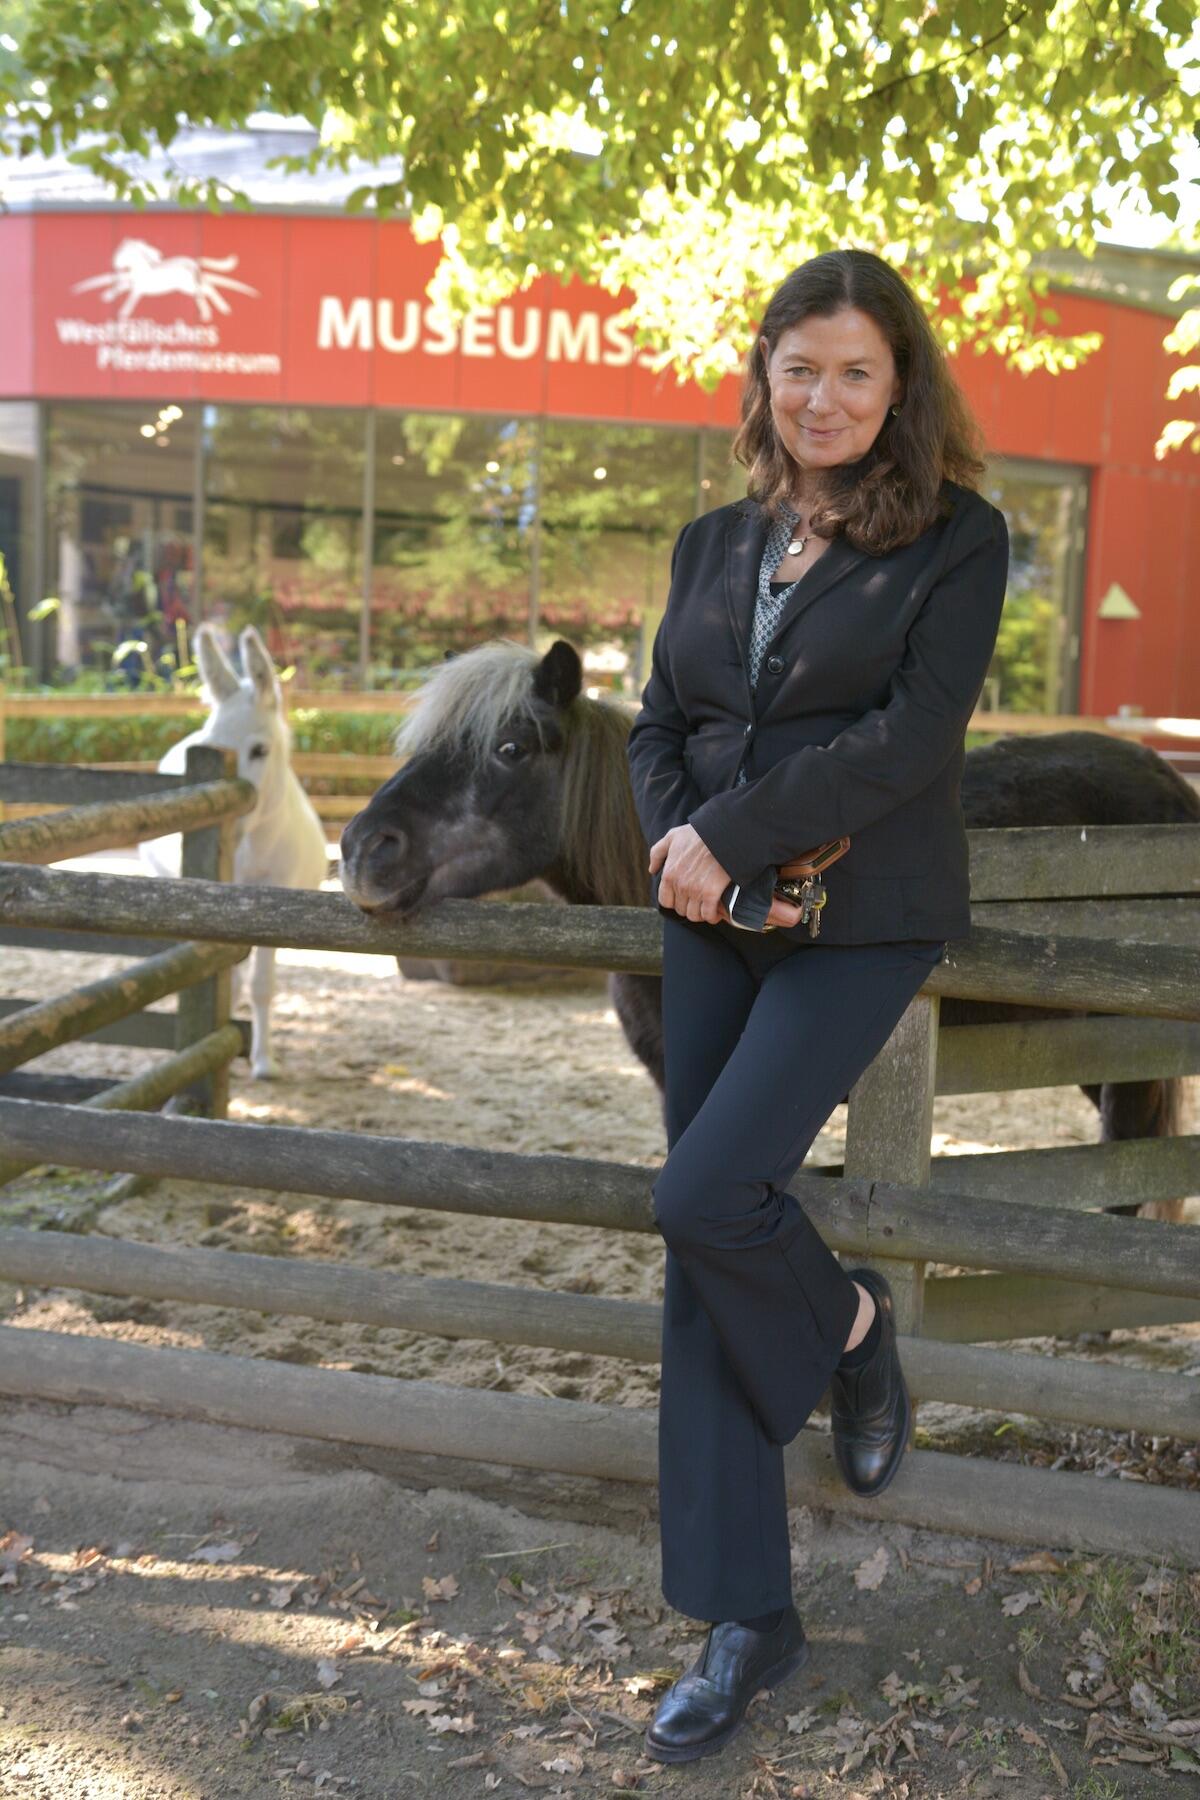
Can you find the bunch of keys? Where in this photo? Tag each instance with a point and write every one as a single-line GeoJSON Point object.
{"type": "Point", "coordinates": [809, 895]}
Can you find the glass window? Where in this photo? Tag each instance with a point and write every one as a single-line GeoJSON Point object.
{"type": "Point", "coordinates": [721, 479]}
{"type": "Point", "coordinates": [283, 494]}
{"type": "Point", "coordinates": [1035, 668]}
{"type": "Point", "coordinates": [613, 499]}
{"type": "Point", "coordinates": [18, 466]}
{"type": "Point", "coordinates": [120, 551]}
{"type": "Point", "coordinates": [455, 519]}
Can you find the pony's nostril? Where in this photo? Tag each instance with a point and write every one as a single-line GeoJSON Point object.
{"type": "Point", "coordinates": [389, 835]}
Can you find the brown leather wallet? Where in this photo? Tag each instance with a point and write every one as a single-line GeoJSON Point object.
{"type": "Point", "coordinates": [809, 862]}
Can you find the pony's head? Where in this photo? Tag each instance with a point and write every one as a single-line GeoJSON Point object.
{"type": "Point", "coordinates": [247, 712]}
{"type": "Point", "coordinates": [511, 773]}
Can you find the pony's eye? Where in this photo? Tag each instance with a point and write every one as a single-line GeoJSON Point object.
{"type": "Point", "coordinates": [510, 751]}
{"type": "Point", "coordinates": [256, 752]}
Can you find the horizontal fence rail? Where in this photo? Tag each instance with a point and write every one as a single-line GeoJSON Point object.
{"type": "Point", "coordinates": [142, 1030]}
{"type": "Point", "coordinates": [114, 824]}
{"type": "Point", "coordinates": [1033, 1053]}
{"type": "Point", "coordinates": [51, 1023]}
{"type": "Point", "coordinates": [866, 1217]}
{"type": "Point", "coordinates": [951, 1493]}
{"type": "Point", "coordinates": [1005, 1381]}
{"type": "Point", "coordinates": [1056, 862]}
{"type": "Point", "coordinates": [144, 1092]}
{"type": "Point", "coordinates": [992, 964]}
{"type": "Point", "coordinates": [79, 784]}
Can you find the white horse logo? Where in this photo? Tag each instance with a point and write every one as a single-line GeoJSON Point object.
{"type": "Point", "coordinates": [140, 270]}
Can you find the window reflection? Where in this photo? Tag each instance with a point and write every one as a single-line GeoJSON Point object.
{"type": "Point", "coordinates": [283, 533]}
{"type": "Point", "coordinates": [455, 518]}
{"type": "Point", "coordinates": [484, 526]}
{"type": "Point", "coordinates": [721, 479]}
{"type": "Point", "coordinates": [613, 500]}
{"type": "Point", "coordinates": [18, 468]}
{"type": "Point", "coordinates": [1035, 665]}
{"type": "Point", "coordinates": [121, 558]}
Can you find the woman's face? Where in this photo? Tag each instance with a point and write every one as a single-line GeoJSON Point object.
{"type": "Point", "coordinates": [832, 381]}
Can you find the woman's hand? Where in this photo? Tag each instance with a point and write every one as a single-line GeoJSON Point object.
{"type": "Point", "coordinates": [693, 880]}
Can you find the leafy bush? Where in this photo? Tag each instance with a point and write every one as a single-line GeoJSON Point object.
{"type": "Point", "coordinates": [143, 737]}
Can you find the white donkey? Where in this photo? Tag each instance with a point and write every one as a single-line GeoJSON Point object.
{"type": "Point", "coordinates": [282, 841]}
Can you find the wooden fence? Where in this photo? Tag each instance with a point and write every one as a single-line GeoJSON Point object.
{"type": "Point", "coordinates": [1052, 908]}
{"type": "Point", "coordinates": [113, 811]}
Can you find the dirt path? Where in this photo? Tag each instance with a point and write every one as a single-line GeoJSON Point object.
{"type": "Point", "coordinates": [182, 1621]}
{"type": "Point", "coordinates": [212, 1614]}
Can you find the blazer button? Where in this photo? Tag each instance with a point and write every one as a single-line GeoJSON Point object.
{"type": "Point", "coordinates": [748, 729]}
{"type": "Point", "coordinates": [775, 665]}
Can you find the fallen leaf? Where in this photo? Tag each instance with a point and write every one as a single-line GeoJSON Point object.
{"type": "Point", "coordinates": [870, 1574]}
{"type": "Point", "coordinates": [444, 1588]}
{"type": "Point", "coordinates": [442, 1722]}
{"type": "Point", "coordinates": [1013, 1605]}
{"type": "Point", "coordinates": [216, 1553]}
{"type": "Point", "coordinates": [328, 1674]}
{"type": "Point", "coordinates": [569, 1763]}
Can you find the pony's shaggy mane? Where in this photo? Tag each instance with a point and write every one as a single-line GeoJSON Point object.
{"type": "Point", "coordinates": [467, 703]}
{"type": "Point", "coordinates": [603, 850]}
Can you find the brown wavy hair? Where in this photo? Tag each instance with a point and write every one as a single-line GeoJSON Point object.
{"type": "Point", "coordinates": [890, 495]}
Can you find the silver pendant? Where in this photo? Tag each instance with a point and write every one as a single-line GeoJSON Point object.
{"type": "Point", "coordinates": [796, 547]}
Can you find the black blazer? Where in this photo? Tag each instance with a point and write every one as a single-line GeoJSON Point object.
{"type": "Point", "coordinates": [857, 723]}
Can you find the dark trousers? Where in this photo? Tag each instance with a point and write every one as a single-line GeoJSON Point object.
{"type": "Point", "coordinates": [763, 1036]}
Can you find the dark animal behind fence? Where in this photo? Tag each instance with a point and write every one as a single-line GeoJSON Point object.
{"type": "Point", "coordinates": [514, 773]}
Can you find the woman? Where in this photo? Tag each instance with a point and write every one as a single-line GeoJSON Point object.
{"type": "Point", "coordinates": [823, 648]}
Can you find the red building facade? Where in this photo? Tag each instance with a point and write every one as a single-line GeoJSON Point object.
{"type": "Point", "coordinates": [223, 410]}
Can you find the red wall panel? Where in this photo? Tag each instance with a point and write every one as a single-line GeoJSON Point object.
{"type": "Point", "coordinates": [333, 311]}
{"type": "Point", "coordinates": [16, 317]}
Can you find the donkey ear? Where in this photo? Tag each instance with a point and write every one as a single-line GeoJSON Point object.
{"type": "Point", "coordinates": [256, 660]}
{"type": "Point", "coordinates": [216, 672]}
{"type": "Point", "coordinates": [558, 678]}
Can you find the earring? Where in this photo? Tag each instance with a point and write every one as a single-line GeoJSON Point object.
{"type": "Point", "coordinates": [894, 409]}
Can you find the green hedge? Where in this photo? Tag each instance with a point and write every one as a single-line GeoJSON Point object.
{"type": "Point", "coordinates": [143, 737]}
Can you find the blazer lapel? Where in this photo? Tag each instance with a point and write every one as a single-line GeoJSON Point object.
{"type": "Point", "coordinates": [835, 562]}
{"type": "Point", "coordinates": [744, 545]}
{"type": "Point", "coordinates": [744, 542]}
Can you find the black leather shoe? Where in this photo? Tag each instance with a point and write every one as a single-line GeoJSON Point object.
{"type": "Point", "coordinates": [706, 1706]}
{"type": "Point", "coordinates": [870, 1411]}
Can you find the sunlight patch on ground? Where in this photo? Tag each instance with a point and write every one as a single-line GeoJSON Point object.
{"type": "Point", "coordinates": [354, 962]}
{"type": "Point", "coordinates": [39, 1768]}
{"type": "Point", "coordinates": [944, 1143]}
{"type": "Point", "coordinates": [412, 1084]}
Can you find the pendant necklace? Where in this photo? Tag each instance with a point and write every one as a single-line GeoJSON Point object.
{"type": "Point", "coordinates": [796, 545]}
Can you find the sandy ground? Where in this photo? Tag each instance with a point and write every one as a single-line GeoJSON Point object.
{"type": "Point", "coordinates": [136, 1662]}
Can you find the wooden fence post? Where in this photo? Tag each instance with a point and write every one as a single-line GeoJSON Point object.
{"type": "Point", "coordinates": [207, 854]}
{"type": "Point", "coordinates": [888, 1128]}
